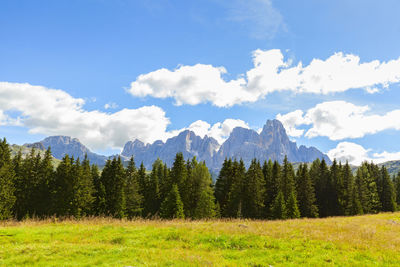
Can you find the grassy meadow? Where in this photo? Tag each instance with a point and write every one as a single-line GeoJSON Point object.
{"type": "Point", "coordinates": [370, 240]}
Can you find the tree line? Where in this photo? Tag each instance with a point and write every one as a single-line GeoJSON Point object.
{"type": "Point", "coordinates": [33, 187]}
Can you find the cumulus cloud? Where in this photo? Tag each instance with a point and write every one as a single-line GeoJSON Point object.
{"type": "Point", "coordinates": [55, 112]}
{"type": "Point", "coordinates": [201, 83]}
{"type": "Point", "coordinates": [355, 154]}
{"type": "Point", "coordinates": [339, 120]}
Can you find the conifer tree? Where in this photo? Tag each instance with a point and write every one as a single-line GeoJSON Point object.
{"type": "Point", "coordinates": [172, 206]}
{"type": "Point", "coordinates": [223, 186]}
{"type": "Point", "coordinates": [202, 194]}
{"type": "Point", "coordinates": [7, 198]}
{"type": "Point", "coordinates": [397, 189]}
{"type": "Point", "coordinates": [153, 194]}
{"type": "Point", "coordinates": [236, 194]}
{"type": "Point", "coordinates": [388, 192]}
{"type": "Point", "coordinates": [367, 190]}
{"type": "Point", "coordinates": [63, 188]}
{"type": "Point", "coordinates": [133, 198]}
{"type": "Point", "coordinates": [292, 210]}
{"type": "Point", "coordinates": [321, 186]}
{"type": "Point", "coordinates": [113, 178]}
{"type": "Point", "coordinates": [99, 205]}
{"type": "Point", "coordinates": [306, 193]}
{"type": "Point", "coordinates": [46, 174]}
{"type": "Point", "coordinates": [272, 184]}
{"type": "Point", "coordinates": [278, 210]}
{"type": "Point", "coordinates": [254, 186]}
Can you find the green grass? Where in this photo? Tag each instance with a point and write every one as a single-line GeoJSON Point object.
{"type": "Point", "coordinates": [372, 240]}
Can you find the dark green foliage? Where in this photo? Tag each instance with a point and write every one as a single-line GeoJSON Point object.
{"type": "Point", "coordinates": [223, 186]}
{"type": "Point", "coordinates": [133, 198]}
{"type": "Point", "coordinates": [305, 193]}
{"type": "Point", "coordinates": [236, 194]}
{"type": "Point", "coordinates": [7, 198]}
{"type": "Point", "coordinates": [388, 198]}
{"type": "Point", "coordinates": [253, 192]}
{"type": "Point", "coordinates": [30, 187]}
{"type": "Point", "coordinates": [113, 178]}
{"type": "Point", "coordinates": [172, 206]}
{"type": "Point", "coordinates": [278, 210]}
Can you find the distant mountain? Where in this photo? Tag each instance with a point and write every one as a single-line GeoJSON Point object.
{"type": "Point", "coordinates": [62, 145]}
{"type": "Point", "coordinates": [186, 142]}
{"type": "Point", "coordinates": [272, 143]}
{"type": "Point", "coordinates": [25, 151]}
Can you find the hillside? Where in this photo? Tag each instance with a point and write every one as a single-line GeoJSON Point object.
{"type": "Point", "coordinates": [27, 150]}
{"type": "Point", "coordinates": [371, 240]}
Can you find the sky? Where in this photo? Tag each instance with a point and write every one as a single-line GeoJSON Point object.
{"type": "Point", "coordinates": [107, 72]}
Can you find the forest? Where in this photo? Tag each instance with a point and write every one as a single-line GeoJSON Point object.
{"type": "Point", "coordinates": [32, 187]}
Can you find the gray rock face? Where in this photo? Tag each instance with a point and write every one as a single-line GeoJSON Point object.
{"type": "Point", "coordinates": [62, 145]}
{"type": "Point", "coordinates": [272, 143]}
{"type": "Point", "coordinates": [186, 142]}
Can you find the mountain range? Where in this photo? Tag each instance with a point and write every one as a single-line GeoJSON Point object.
{"type": "Point", "coordinates": [271, 143]}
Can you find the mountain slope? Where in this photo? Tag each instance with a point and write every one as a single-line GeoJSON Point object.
{"type": "Point", "coordinates": [62, 145]}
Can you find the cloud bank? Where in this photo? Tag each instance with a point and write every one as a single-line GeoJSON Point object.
{"type": "Point", "coordinates": [55, 112]}
{"type": "Point", "coordinates": [339, 120]}
{"type": "Point", "coordinates": [355, 154]}
{"type": "Point", "coordinates": [202, 83]}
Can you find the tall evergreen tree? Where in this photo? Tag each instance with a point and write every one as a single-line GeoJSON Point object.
{"type": "Point", "coordinates": [306, 193]}
{"type": "Point", "coordinates": [7, 198]}
{"type": "Point", "coordinates": [278, 210]}
{"type": "Point", "coordinates": [397, 189]}
{"type": "Point", "coordinates": [236, 194]}
{"type": "Point", "coordinates": [99, 205]}
{"type": "Point", "coordinates": [388, 191]}
{"type": "Point", "coordinates": [254, 191]}
{"type": "Point", "coordinates": [46, 174]}
{"type": "Point", "coordinates": [133, 198]}
{"type": "Point", "coordinates": [223, 186]}
{"type": "Point", "coordinates": [172, 206]}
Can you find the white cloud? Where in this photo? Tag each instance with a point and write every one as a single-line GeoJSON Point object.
{"type": "Point", "coordinates": [55, 112]}
{"type": "Point", "coordinates": [111, 105]}
{"type": "Point", "coordinates": [271, 73]}
{"type": "Point", "coordinates": [290, 121]}
{"type": "Point", "coordinates": [339, 120]}
{"type": "Point", "coordinates": [355, 154]}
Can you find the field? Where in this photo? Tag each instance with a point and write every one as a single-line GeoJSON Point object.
{"type": "Point", "coordinates": [353, 241]}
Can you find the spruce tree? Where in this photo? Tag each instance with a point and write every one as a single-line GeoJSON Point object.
{"type": "Point", "coordinates": [172, 206]}
{"type": "Point", "coordinates": [278, 210]}
{"type": "Point", "coordinates": [254, 191]}
{"type": "Point", "coordinates": [46, 174]}
{"type": "Point", "coordinates": [306, 193]}
{"type": "Point", "coordinates": [292, 210]}
{"type": "Point", "coordinates": [397, 189]}
{"type": "Point", "coordinates": [7, 198]}
{"type": "Point", "coordinates": [133, 198]}
{"type": "Point", "coordinates": [388, 191]}
{"type": "Point", "coordinates": [99, 205]}
{"type": "Point", "coordinates": [236, 195]}
{"type": "Point", "coordinates": [223, 186]}
{"type": "Point", "coordinates": [202, 192]}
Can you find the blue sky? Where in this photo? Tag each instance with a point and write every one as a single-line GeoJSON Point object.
{"type": "Point", "coordinates": [94, 51]}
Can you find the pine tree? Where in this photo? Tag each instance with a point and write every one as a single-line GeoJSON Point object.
{"type": "Point", "coordinates": [272, 184]}
{"type": "Point", "coordinates": [84, 188]}
{"type": "Point", "coordinates": [397, 189]}
{"type": "Point", "coordinates": [254, 186]}
{"type": "Point", "coordinates": [236, 195]}
{"type": "Point", "coordinates": [179, 176]}
{"type": "Point", "coordinates": [99, 205]}
{"type": "Point", "coordinates": [202, 195]}
{"type": "Point", "coordinates": [278, 210]}
{"type": "Point", "coordinates": [46, 174]}
{"type": "Point", "coordinates": [292, 210]}
{"type": "Point", "coordinates": [172, 206]}
{"type": "Point", "coordinates": [7, 198]}
{"type": "Point", "coordinates": [153, 191]}
{"type": "Point", "coordinates": [321, 174]}
{"type": "Point", "coordinates": [349, 198]}
{"type": "Point", "coordinates": [223, 186]}
{"type": "Point", "coordinates": [63, 188]}
{"type": "Point", "coordinates": [133, 198]}
{"type": "Point", "coordinates": [388, 192]}
{"type": "Point", "coordinates": [113, 178]}
{"type": "Point", "coordinates": [306, 193]}
{"type": "Point", "coordinates": [367, 190]}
